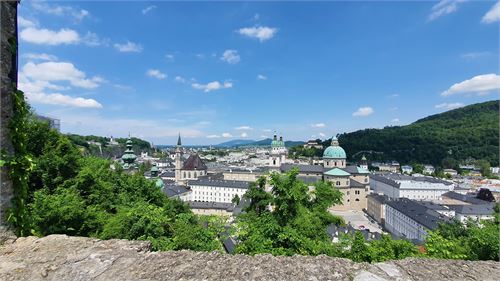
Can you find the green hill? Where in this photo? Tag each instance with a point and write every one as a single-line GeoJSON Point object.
{"type": "Point", "coordinates": [444, 139]}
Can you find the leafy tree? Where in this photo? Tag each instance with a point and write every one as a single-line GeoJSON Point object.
{"type": "Point", "coordinates": [485, 194]}
{"type": "Point", "coordinates": [289, 220]}
{"type": "Point", "coordinates": [236, 200]}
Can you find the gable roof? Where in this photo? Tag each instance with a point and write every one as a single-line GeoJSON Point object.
{"type": "Point", "coordinates": [194, 162]}
{"type": "Point", "coordinates": [302, 168]}
{"type": "Point", "coordinates": [419, 213]}
{"type": "Point", "coordinates": [337, 173]}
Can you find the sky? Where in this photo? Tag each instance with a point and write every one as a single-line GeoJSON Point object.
{"type": "Point", "coordinates": [216, 71]}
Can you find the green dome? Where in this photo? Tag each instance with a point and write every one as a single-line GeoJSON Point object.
{"type": "Point", "coordinates": [334, 150]}
{"type": "Point", "coordinates": [159, 183]}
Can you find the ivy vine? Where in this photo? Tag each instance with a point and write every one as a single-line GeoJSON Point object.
{"type": "Point", "coordinates": [19, 165]}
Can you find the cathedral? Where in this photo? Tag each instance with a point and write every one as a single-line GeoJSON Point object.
{"type": "Point", "coordinates": [353, 181]}
{"type": "Point", "coordinates": [190, 169]}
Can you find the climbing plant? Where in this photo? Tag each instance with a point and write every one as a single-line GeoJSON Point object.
{"type": "Point", "coordinates": [19, 164]}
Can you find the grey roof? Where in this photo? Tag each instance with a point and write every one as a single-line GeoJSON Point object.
{"type": "Point", "coordinates": [220, 183]}
{"type": "Point", "coordinates": [211, 205]}
{"type": "Point", "coordinates": [383, 179]}
{"type": "Point", "coordinates": [229, 245]}
{"type": "Point", "coordinates": [391, 178]}
{"type": "Point", "coordinates": [194, 162]}
{"type": "Point", "coordinates": [357, 184]}
{"type": "Point", "coordinates": [173, 190]}
{"type": "Point", "coordinates": [351, 169]}
{"type": "Point", "coordinates": [433, 206]}
{"type": "Point", "coordinates": [335, 231]}
{"type": "Point", "coordinates": [302, 168]}
{"type": "Point", "coordinates": [381, 198]}
{"type": "Point", "coordinates": [309, 179]}
{"type": "Point", "coordinates": [167, 174]}
{"type": "Point", "coordinates": [417, 212]}
{"type": "Point", "coordinates": [464, 198]}
{"type": "Point", "coordinates": [258, 170]}
{"type": "Point", "coordinates": [482, 210]}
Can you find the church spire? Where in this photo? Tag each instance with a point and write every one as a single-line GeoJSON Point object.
{"type": "Point", "coordinates": [179, 143]}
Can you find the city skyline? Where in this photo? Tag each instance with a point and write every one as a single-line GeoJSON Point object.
{"type": "Point", "coordinates": [221, 71]}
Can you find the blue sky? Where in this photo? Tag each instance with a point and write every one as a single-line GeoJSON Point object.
{"type": "Point", "coordinates": [216, 71]}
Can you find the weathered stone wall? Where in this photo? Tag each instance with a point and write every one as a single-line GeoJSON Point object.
{"type": "Point", "coordinates": [59, 257]}
{"type": "Point", "coordinates": [8, 79]}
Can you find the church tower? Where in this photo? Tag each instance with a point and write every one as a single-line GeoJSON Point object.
{"type": "Point", "coordinates": [178, 159]}
{"type": "Point", "coordinates": [278, 152]}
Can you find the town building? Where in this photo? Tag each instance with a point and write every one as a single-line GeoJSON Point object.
{"type": "Point", "coordinates": [450, 172]}
{"type": "Point", "coordinates": [191, 169]}
{"type": "Point", "coordinates": [313, 144]}
{"type": "Point", "coordinates": [429, 170]}
{"type": "Point", "coordinates": [412, 187]}
{"type": "Point", "coordinates": [129, 156]}
{"type": "Point", "coordinates": [54, 123]}
{"type": "Point", "coordinates": [211, 208]}
{"type": "Point", "coordinates": [410, 220]}
{"type": "Point", "coordinates": [376, 206]}
{"type": "Point", "coordinates": [364, 163]}
{"type": "Point", "coordinates": [352, 181]}
{"type": "Point", "coordinates": [278, 153]}
{"type": "Point", "coordinates": [219, 191]}
{"type": "Point", "coordinates": [406, 169]}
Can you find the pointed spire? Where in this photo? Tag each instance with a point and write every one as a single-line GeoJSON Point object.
{"type": "Point", "coordinates": [179, 143]}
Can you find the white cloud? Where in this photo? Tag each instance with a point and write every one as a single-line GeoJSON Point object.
{"type": "Point", "coordinates": [474, 55]}
{"type": "Point", "coordinates": [60, 71]}
{"type": "Point", "coordinates": [318, 125]}
{"type": "Point", "coordinates": [170, 57]}
{"type": "Point", "coordinates": [230, 56]}
{"type": "Point", "coordinates": [211, 86]}
{"type": "Point", "coordinates": [267, 130]}
{"type": "Point", "coordinates": [227, 135]}
{"type": "Point", "coordinates": [480, 84]}
{"type": "Point", "coordinates": [322, 135]}
{"type": "Point", "coordinates": [444, 7]}
{"type": "Point", "coordinates": [264, 136]}
{"type": "Point", "coordinates": [261, 77]}
{"type": "Point", "coordinates": [395, 120]}
{"type": "Point", "coordinates": [213, 136]}
{"type": "Point", "coordinates": [492, 15]}
{"type": "Point", "coordinates": [262, 33]}
{"type": "Point", "coordinates": [244, 135]}
{"type": "Point", "coordinates": [243, 128]}
{"type": "Point", "coordinates": [129, 47]}
{"type": "Point", "coordinates": [91, 39]}
{"type": "Point", "coordinates": [180, 79]}
{"type": "Point", "coordinates": [42, 56]}
{"type": "Point", "coordinates": [148, 9]}
{"type": "Point", "coordinates": [63, 100]}
{"type": "Point", "coordinates": [49, 37]}
{"type": "Point", "coordinates": [394, 96]}
{"type": "Point", "coordinates": [156, 74]}
{"type": "Point", "coordinates": [449, 106]}
{"type": "Point", "coordinates": [23, 23]}
{"type": "Point", "coordinates": [57, 10]}
{"type": "Point", "coordinates": [363, 111]}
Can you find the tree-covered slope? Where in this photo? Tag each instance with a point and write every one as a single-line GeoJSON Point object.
{"type": "Point", "coordinates": [441, 139]}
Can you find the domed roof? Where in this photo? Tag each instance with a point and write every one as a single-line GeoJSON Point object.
{"type": "Point", "coordinates": [334, 150]}
{"type": "Point", "coordinates": [277, 143]}
{"type": "Point", "coordinates": [159, 183]}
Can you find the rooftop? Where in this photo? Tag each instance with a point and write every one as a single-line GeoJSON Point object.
{"type": "Point", "coordinates": [417, 212]}
{"type": "Point", "coordinates": [211, 205]}
{"type": "Point", "coordinates": [194, 162]}
{"type": "Point", "coordinates": [302, 168]}
{"type": "Point", "coordinates": [220, 183]}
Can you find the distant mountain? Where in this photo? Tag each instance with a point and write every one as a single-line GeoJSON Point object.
{"type": "Point", "coordinates": [264, 142]}
{"type": "Point", "coordinates": [442, 139]}
{"type": "Point", "coordinates": [234, 143]}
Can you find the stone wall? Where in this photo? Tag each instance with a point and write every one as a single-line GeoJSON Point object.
{"type": "Point", "coordinates": [59, 257]}
{"type": "Point", "coordinates": [8, 79]}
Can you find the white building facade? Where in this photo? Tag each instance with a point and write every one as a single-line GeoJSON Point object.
{"type": "Point", "coordinates": [218, 191]}
{"type": "Point", "coordinates": [416, 188]}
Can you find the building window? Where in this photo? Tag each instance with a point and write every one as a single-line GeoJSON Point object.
{"type": "Point", "coordinates": [357, 199]}
{"type": "Point", "coordinates": [337, 183]}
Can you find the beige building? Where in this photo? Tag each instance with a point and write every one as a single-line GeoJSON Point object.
{"type": "Point", "coordinates": [376, 207]}
{"type": "Point", "coordinates": [191, 169]}
{"type": "Point", "coordinates": [352, 181]}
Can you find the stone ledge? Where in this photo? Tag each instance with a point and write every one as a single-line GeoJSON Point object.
{"type": "Point", "coordinates": [61, 257]}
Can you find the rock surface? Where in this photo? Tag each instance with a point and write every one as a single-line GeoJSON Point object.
{"type": "Point", "coordinates": [60, 257]}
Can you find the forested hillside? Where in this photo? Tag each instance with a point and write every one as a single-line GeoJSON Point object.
{"type": "Point", "coordinates": [106, 150]}
{"type": "Point", "coordinates": [446, 138]}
